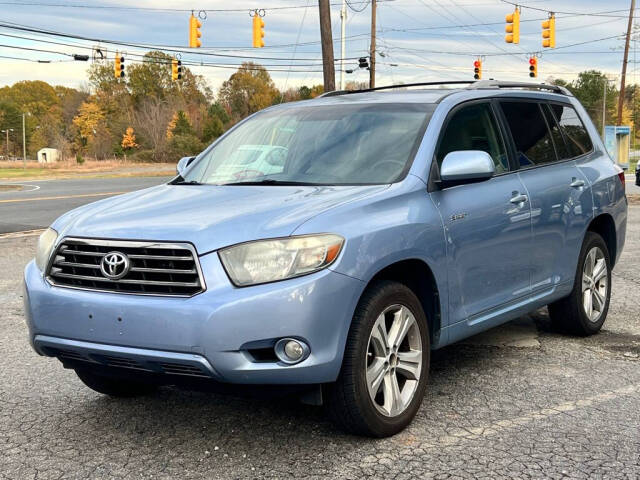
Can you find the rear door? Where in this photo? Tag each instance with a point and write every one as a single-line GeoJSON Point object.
{"type": "Point", "coordinates": [561, 204]}
{"type": "Point", "coordinates": [487, 224]}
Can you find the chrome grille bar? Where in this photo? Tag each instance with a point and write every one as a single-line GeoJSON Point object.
{"type": "Point", "coordinates": [154, 268]}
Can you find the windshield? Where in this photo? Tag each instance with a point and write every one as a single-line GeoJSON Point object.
{"type": "Point", "coordinates": [320, 145]}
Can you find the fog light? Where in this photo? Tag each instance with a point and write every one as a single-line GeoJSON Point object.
{"type": "Point", "coordinates": [290, 350]}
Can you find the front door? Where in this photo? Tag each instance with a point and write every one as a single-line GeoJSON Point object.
{"type": "Point", "coordinates": [487, 224]}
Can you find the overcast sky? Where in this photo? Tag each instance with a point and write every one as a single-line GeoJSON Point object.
{"type": "Point", "coordinates": [411, 45]}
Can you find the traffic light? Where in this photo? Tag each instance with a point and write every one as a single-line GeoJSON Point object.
{"type": "Point", "coordinates": [477, 69]}
{"type": "Point", "coordinates": [118, 66]}
{"type": "Point", "coordinates": [194, 32]}
{"type": "Point", "coordinates": [176, 69]}
{"type": "Point", "coordinates": [549, 32]}
{"type": "Point", "coordinates": [533, 67]}
{"type": "Point", "coordinates": [258, 31]}
{"type": "Point", "coordinates": [363, 62]}
{"type": "Point", "coordinates": [513, 27]}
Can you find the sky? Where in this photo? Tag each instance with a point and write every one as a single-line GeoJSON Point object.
{"type": "Point", "coordinates": [417, 40]}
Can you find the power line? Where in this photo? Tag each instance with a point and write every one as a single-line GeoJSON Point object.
{"type": "Point", "coordinates": [166, 9]}
{"type": "Point", "coordinates": [181, 50]}
{"type": "Point", "coordinates": [593, 14]}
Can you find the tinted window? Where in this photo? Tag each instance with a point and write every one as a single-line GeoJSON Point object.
{"type": "Point", "coordinates": [530, 133]}
{"type": "Point", "coordinates": [578, 140]}
{"type": "Point", "coordinates": [558, 141]}
{"type": "Point", "coordinates": [474, 127]}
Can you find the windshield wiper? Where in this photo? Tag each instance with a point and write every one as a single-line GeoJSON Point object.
{"type": "Point", "coordinates": [270, 181]}
{"type": "Point", "coordinates": [186, 182]}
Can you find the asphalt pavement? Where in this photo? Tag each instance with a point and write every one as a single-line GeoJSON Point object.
{"type": "Point", "coordinates": [520, 401]}
{"type": "Point", "coordinates": [31, 205]}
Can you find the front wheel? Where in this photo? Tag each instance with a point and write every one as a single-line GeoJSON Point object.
{"type": "Point", "coordinates": [386, 363]}
{"type": "Point", "coordinates": [584, 311]}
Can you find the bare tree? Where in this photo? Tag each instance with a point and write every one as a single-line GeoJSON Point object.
{"type": "Point", "coordinates": [151, 120]}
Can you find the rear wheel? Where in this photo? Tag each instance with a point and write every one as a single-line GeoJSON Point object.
{"type": "Point", "coordinates": [584, 311]}
{"type": "Point", "coordinates": [113, 386]}
{"type": "Point", "coordinates": [386, 363]}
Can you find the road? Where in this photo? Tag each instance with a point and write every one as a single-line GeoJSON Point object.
{"type": "Point", "coordinates": [519, 401]}
{"type": "Point", "coordinates": [36, 204]}
{"type": "Point", "coordinates": [33, 205]}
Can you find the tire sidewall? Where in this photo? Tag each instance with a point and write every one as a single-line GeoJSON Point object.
{"type": "Point", "coordinates": [392, 294]}
{"type": "Point", "coordinates": [592, 240]}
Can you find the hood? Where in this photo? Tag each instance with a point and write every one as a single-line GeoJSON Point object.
{"type": "Point", "coordinates": [208, 216]}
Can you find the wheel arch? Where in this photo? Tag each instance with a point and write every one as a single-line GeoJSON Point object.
{"type": "Point", "coordinates": [416, 274]}
{"type": "Point", "coordinates": [605, 226]}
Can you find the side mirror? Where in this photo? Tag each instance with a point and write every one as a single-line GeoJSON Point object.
{"type": "Point", "coordinates": [466, 166]}
{"type": "Point", "coordinates": [183, 163]}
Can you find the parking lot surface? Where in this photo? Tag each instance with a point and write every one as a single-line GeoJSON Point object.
{"type": "Point", "coordinates": [519, 401]}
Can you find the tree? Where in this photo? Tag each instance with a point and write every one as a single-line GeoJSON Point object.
{"type": "Point", "coordinates": [87, 121]}
{"type": "Point", "coordinates": [128, 139]}
{"type": "Point", "coordinates": [248, 90]}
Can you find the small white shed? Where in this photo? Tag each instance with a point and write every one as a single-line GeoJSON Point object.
{"type": "Point", "coordinates": [48, 155]}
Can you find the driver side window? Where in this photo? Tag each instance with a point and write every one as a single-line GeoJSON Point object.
{"type": "Point", "coordinates": [474, 127]}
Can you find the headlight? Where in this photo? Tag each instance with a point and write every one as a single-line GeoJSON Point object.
{"type": "Point", "coordinates": [45, 244]}
{"type": "Point", "coordinates": [271, 260]}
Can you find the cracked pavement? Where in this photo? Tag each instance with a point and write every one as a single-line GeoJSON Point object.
{"type": "Point", "coordinates": [519, 401]}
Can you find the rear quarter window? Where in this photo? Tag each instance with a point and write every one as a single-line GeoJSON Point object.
{"type": "Point", "coordinates": [575, 133]}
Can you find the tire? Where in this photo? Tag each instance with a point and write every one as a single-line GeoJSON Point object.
{"type": "Point", "coordinates": [349, 401]}
{"type": "Point", "coordinates": [113, 386]}
{"type": "Point", "coordinates": [570, 313]}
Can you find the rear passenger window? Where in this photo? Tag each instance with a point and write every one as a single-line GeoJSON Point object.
{"type": "Point", "coordinates": [474, 127]}
{"type": "Point", "coordinates": [530, 133]}
{"type": "Point", "coordinates": [558, 141]}
{"type": "Point", "coordinates": [578, 140]}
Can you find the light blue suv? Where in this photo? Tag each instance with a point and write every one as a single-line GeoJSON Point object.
{"type": "Point", "coordinates": [392, 223]}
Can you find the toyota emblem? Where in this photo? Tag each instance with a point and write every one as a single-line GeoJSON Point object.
{"type": "Point", "coordinates": [115, 265]}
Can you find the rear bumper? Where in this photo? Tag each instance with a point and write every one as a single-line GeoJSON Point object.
{"type": "Point", "coordinates": [212, 331]}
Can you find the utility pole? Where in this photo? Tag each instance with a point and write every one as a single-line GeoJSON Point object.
{"type": "Point", "coordinates": [372, 53]}
{"type": "Point", "coordinates": [604, 104]}
{"type": "Point", "coordinates": [343, 27]}
{"type": "Point", "coordinates": [24, 145]}
{"type": "Point", "coordinates": [624, 62]}
{"type": "Point", "coordinates": [328, 68]}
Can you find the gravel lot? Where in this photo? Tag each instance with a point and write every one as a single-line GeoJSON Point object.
{"type": "Point", "coordinates": [519, 401]}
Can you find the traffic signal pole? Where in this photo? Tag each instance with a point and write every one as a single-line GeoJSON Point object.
{"type": "Point", "coordinates": [624, 63]}
{"type": "Point", "coordinates": [372, 53]}
{"type": "Point", "coordinates": [328, 68]}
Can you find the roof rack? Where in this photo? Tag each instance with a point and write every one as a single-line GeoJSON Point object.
{"type": "Point", "coordinates": [526, 85]}
{"type": "Point", "coordinates": [335, 93]}
{"type": "Point", "coordinates": [471, 85]}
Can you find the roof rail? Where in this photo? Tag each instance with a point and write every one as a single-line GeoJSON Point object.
{"type": "Point", "coordinates": [472, 85]}
{"type": "Point", "coordinates": [335, 93]}
{"type": "Point", "coordinates": [526, 85]}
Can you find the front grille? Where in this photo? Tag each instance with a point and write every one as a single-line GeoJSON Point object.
{"type": "Point", "coordinates": [154, 268]}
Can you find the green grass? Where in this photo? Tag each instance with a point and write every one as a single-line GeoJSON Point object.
{"type": "Point", "coordinates": [632, 166]}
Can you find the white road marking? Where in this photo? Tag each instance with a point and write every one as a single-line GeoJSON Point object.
{"type": "Point", "coordinates": [476, 433]}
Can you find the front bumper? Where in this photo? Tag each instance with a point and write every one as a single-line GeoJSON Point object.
{"type": "Point", "coordinates": [212, 330]}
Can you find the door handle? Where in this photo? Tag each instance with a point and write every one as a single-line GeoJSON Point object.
{"type": "Point", "coordinates": [575, 183]}
{"type": "Point", "coordinates": [520, 198]}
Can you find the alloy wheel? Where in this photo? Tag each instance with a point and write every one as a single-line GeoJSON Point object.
{"type": "Point", "coordinates": [595, 282]}
{"type": "Point", "coordinates": [394, 360]}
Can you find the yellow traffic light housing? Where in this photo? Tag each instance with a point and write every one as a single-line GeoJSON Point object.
{"type": "Point", "coordinates": [194, 32]}
{"type": "Point", "coordinates": [118, 66]}
{"type": "Point", "coordinates": [549, 32]}
{"type": "Point", "coordinates": [513, 27]}
{"type": "Point", "coordinates": [176, 70]}
{"type": "Point", "coordinates": [477, 69]}
{"type": "Point", "coordinates": [533, 67]}
{"type": "Point", "coordinates": [258, 31]}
